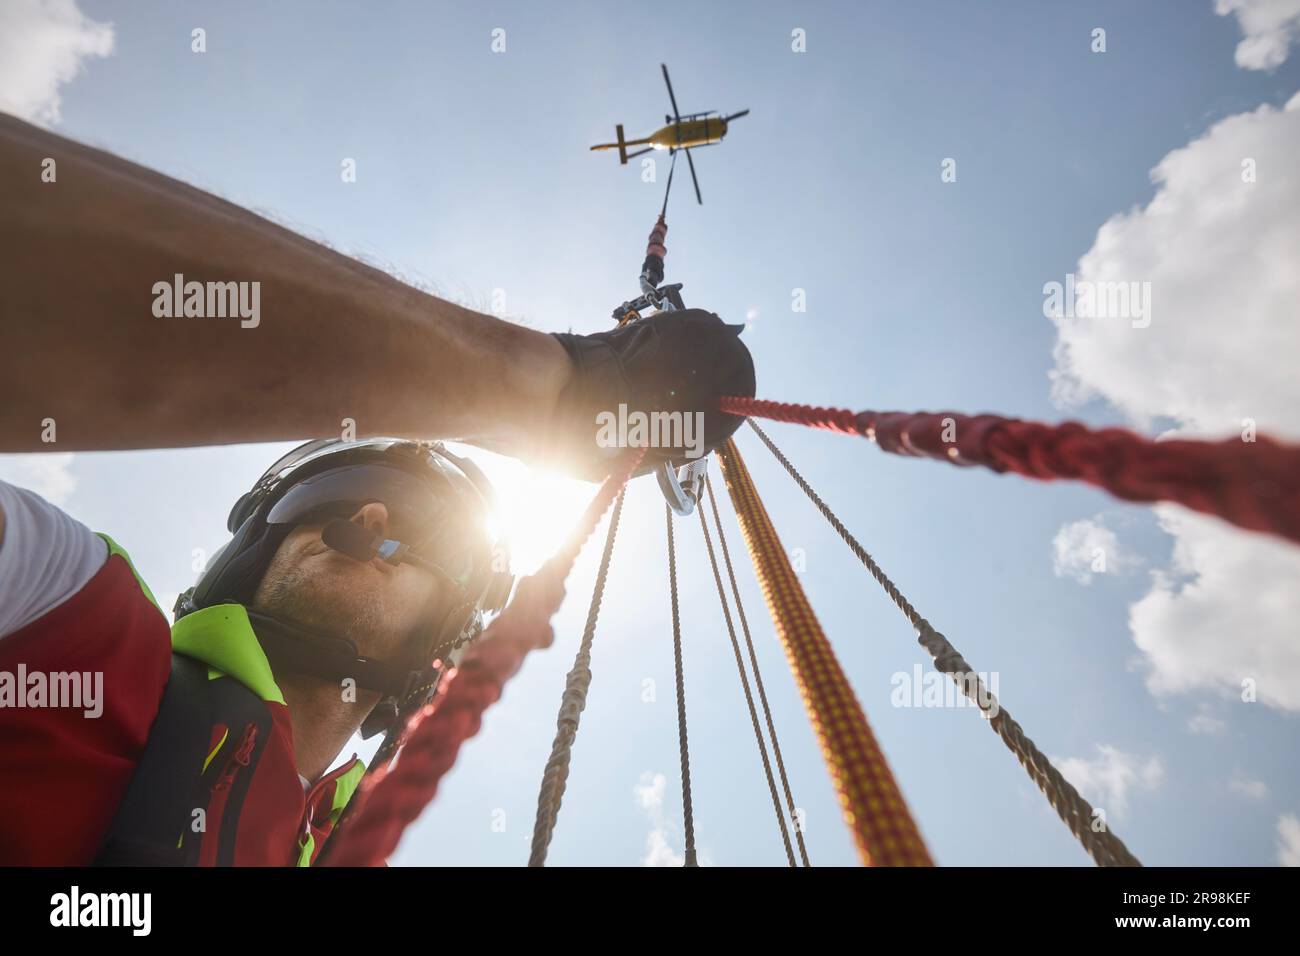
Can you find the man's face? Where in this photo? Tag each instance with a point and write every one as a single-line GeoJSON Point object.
{"type": "Point", "coordinates": [374, 604]}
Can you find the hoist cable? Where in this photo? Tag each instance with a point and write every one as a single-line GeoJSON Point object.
{"type": "Point", "coordinates": [1075, 812]}
{"type": "Point", "coordinates": [758, 676]}
{"type": "Point", "coordinates": [572, 703]}
{"type": "Point", "coordinates": [688, 814]}
{"type": "Point", "coordinates": [667, 189]}
{"type": "Point", "coordinates": [873, 805]}
{"type": "Point", "coordinates": [749, 697]}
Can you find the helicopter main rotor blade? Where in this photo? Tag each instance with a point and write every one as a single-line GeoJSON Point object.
{"type": "Point", "coordinates": [696, 181]}
{"type": "Point", "coordinates": [676, 112]}
{"type": "Point", "coordinates": [728, 119]}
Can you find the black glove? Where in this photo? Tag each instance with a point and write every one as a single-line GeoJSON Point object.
{"type": "Point", "coordinates": [670, 362]}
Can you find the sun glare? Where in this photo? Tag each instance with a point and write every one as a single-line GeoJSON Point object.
{"type": "Point", "coordinates": [538, 509]}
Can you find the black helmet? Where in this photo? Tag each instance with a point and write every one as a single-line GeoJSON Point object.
{"type": "Point", "coordinates": [437, 497]}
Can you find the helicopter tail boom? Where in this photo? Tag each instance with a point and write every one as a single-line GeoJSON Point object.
{"type": "Point", "coordinates": [622, 145]}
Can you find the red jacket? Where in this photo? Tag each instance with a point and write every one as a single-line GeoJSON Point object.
{"type": "Point", "coordinates": [64, 773]}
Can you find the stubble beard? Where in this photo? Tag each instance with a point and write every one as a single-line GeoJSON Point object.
{"type": "Point", "coordinates": [312, 600]}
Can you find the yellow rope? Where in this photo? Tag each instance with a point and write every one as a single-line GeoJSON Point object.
{"type": "Point", "coordinates": [874, 808]}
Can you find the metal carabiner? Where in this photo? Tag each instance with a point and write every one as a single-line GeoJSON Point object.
{"type": "Point", "coordinates": [682, 487]}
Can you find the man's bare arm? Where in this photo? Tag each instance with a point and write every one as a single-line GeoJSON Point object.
{"type": "Point", "coordinates": [335, 339]}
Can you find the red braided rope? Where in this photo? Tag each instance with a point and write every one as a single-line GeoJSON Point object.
{"type": "Point", "coordinates": [393, 796]}
{"type": "Point", "coordinates": [1254, 485]}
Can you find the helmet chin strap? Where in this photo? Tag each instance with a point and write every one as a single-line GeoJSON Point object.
{"type": "Point", "coordinates": [390, 714]}
{"type": "Point", "coordinates": [306, 650]}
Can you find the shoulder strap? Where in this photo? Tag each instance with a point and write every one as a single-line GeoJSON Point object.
{"type": "Point", "coordinates": [150, 818]}
{"type": "Point", "coordinates": [157, 808]}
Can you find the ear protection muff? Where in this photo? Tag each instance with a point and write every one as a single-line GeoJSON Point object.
{"type": "Point", "coordinates": [234, 572]}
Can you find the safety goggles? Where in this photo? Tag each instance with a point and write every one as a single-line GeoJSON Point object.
{"type": "Point", "coordinates": [421, 515]}
{"type": "Point", "coordinates": [426, 511]}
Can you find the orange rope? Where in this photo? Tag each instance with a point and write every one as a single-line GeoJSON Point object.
{"type": "Point", "coordinates": [874, 808]}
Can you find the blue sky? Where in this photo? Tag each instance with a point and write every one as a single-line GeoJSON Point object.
{"type": "Point", "coordinates": [474, 176]}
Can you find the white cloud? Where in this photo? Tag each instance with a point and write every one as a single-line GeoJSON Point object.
{"type": "Point", "coordinates": [649, 794]}
{"type": "Point", "coordinates": [43, 44]}
{"type": "Point", "coordinates": [1108, 779]}
{"type": "Point", "coordinates": [1269, 28]}
{"type": "Point", "coordinates": [1251, 789]}
{"type": "Point", "coordinates": [658, 852]}
{"type": "Point", "coordinates": [1224, 613]}
{"type": "Point", "coordinates": [47, 474]}
{"type": "Point", "coordinates": [1288, 840]}
{"type": "Point", "coordinates": [1206, 724]}
{"type": "Point", "coordinates": [1087, 547]}
{"type": "Point", "coordinates": [1220, 253]}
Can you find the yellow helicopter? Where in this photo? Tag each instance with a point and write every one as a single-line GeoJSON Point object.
{"type": "Point", "coordinates": [682, 132]}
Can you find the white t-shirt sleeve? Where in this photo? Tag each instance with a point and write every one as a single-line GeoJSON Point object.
{"type": "Point", "coordinates": [46, 556]}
